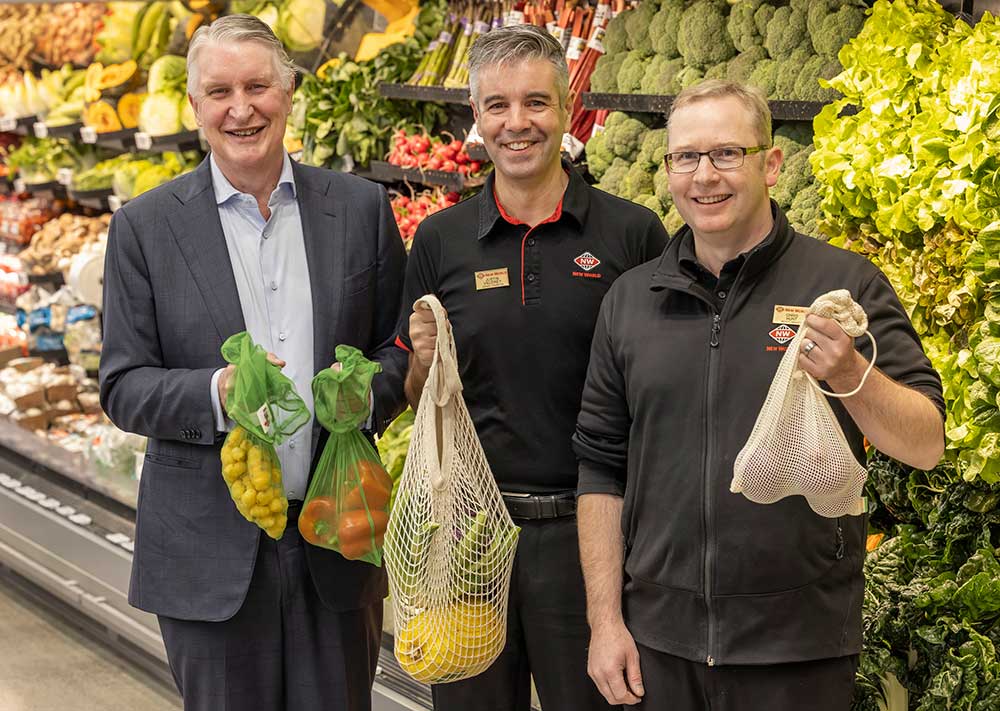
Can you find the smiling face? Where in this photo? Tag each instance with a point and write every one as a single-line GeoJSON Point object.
{"type": "Point", "coordinates": [241, 106]}
{"type": "Point", "coordinates": [521, 119]}
{"type": "Point", "coordinates": [722, 206]}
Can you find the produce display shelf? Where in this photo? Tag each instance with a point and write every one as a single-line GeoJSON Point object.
{"type": "Point", "coordinates": [50, 188]}
{"type": "Point", "coordinates": [387, 172]}
{"type": "Point", "coordinates": [658, 104]}
{"type": "Point", "coordinates": [70, 465]}
{"type": "Point", "coordinates": [69, 130]}
{"type": "Point", "coordinates": [183, 141]}
{"type": "Point", "coordinates": [477, 151]}
{"type": "Point", "coordinates": [17, 124]}
{"type": "Point", "coordinates": [53, 279]}
{"type": "Point", "coordinates": [97, 199]}
{"type": "Point", "coordinates": [123, 140]}
{"type": "Point", "coordinates": [425, 93]}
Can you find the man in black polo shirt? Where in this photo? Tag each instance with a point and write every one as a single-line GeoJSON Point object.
{"type": "Point", "coordinates": [521, 269]}
{"type": "Point", "coordinates": [709, 600]}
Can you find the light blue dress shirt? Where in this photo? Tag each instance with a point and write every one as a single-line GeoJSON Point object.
{"type": "Point", "coordinates": [272, 278]}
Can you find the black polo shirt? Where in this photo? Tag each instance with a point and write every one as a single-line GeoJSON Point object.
{"type": "Point", "coordinates": [523, 304]}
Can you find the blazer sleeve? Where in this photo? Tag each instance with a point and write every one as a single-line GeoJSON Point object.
{"type": "Point", "coordinates": [391, 266]}
{"type": "Point", "coordinates": [138, 393]}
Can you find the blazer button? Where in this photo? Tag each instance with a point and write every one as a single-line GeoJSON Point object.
{"type": "Point", "coordinates": [197, 434]}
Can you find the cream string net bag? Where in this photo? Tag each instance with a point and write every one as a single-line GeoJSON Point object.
{"type": "Point", "coordinates": [450, 544]}
{"type": "Point", "coordinates": [797, 445]}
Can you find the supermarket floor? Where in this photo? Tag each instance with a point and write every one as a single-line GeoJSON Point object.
{"type": "Point", "coordinates": [47, 664]}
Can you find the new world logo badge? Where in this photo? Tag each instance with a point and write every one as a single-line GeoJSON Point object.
{"type": "Point", "coordinates": [587, 261]}
{"type": "Point", "coordinates": [782, 334]}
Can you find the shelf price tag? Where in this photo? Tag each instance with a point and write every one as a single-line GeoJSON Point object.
{"type": "Point", "coordinates": [114, 202]}
{"type": "Point", "coordinates": [40, 129]}
{"type": "Point", "coordinates": [65, 176]}
{"type": "Point", "coordinates": [143, 141]}
{"type": "Point", "coordinates": [19, 186]}
{"type": "Point", "coordinates": [8, 123]}
{"type": "Point", "coordinates": [88, 134]}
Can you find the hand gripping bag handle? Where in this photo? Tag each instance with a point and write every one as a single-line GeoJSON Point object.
{"type": "Point", "coordinates": [443, 383]}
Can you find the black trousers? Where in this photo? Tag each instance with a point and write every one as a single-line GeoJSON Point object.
{"type": "Point", "coordinates": [675, 684]}
{"type": "Point", "coordinates": [283, 650]}
{"type": "Point", "coordinates": [547, 632]}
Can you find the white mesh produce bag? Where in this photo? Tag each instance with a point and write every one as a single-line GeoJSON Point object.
{"type": "Point", "coordinates": [450, 544]}
{"type": "Point", "coordinates": [797, 445]}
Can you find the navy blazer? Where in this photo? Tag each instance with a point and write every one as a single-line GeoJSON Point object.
{"type": "Point", "coordinates": [170, 300]}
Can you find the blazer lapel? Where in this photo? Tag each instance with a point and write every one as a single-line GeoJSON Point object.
{"type": "Point", "coordinates": [323, 229]}
{"type": "Point", "coordinates": [197, 230]}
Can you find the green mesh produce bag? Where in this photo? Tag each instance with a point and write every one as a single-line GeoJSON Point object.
{"type": "Point", "coordinates": [267, 410]}
{"type": "Point", "coordinates": [347, 506]}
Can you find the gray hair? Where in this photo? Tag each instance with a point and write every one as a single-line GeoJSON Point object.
{"type": "Point", "coordinates": [234, 29]}
{"type": "Point", "coordinates": [753, 99]}
{"type": "Point", "coordinates": [518, 43]}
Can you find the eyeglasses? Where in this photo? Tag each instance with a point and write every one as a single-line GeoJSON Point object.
{"type": "Point", "coordinates": [725, 158]}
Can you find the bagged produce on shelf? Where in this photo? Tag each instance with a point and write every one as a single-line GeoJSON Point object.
{"type": "Point", "coordinates": [60, 239]}
{"type": "Point", "coordinates": [19, 26]}
{"type": "Point", "coordinates": [450, 545]}
{"type": "Point", "coordinates": [112, 451]}
{"type": "Point", "coordinates": [347, 506]}
{"type": "Point", "coordinates": [68, 33]}
{"type": "Point", "coordinates": [267, 410]}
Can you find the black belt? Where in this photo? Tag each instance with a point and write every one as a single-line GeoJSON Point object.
{"type": "Point", "coordinates": [531, 506]}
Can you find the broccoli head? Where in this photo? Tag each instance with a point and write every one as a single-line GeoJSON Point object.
{"type": "Point", "coordinates": [615, 38]}
{"type": "Point", "coordinates": [604, 79]}
{"type": "Point", "coordinates": [702, 38]}
{"type": "Point", "coordinates": [837, 29]}
{"type": "Point", "coordinates": [614, 176]}
{"type": "Point", "coordinates": [664, 27]}
{"type": "Point", "coordinates": [599, 157]}
{"type": "Point", "coordinates": [631, 72]}
{"type": "Point", "coordinates": [740, 67]}
{"type": "Point", "coordinates": [804, 212]}
{"type": "Point", "coordinates": [661, 186]}
{"type": "Point", "coordinates": [786, 32]}
{"type": "Point", "coordinates": [637, 27]}
{"type": "Point", "coordinates": [661, 77]}
{"type": "Point", "coordinates": [652, 72]}
{"type": "Point", "coordinates": [761, 18]}
{"type": "Point", "coordinates": [624, 136]}
{"type": "Point", "coordinates": [688, 76]}
{"type": "Point", "coordinates": [652, 148]}
{"type": "Point", "coordinates": [717, 71]}
{"type": "Point", "coordinates": [763, 76]}
{"type": "Point", "coordinates": [673, 221]}
{"type": "Point", "coordinates": [650, 202]}
{"type": "Point", "coordinates": [796, 175]}
{"type": "Point", "coordinates": [807, 86]}
{"type": "Point", "coordinates": [742, 26]}
{"type": "Point", "coordinates": [788, 72]}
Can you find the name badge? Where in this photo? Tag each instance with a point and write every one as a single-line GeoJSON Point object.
{"type": "Point", "coordinates": [792, 315]}
{"type": "Point", "coordinates": [492, 279]}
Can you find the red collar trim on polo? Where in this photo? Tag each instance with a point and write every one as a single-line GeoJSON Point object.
{"type": "Point", "coordinates": [554, 217]}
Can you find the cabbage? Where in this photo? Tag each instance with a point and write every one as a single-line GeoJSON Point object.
{"type": "Point", "coordinates": [160, 114]}
{"type": "Point", "coordinates": [167, 74]}
{"type": "Point", "coordinates": [300, 24]}
{"type": "Point", "coordinates": [150, 178]}
{"type": "Point", "coordinates": [188, 118]}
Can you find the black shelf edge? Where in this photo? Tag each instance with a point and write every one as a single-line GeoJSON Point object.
{"type": "Point", "coordinates": [69, 130]}
{"type": "Point", "coordinates": [6, 188]}
{"type": "Point", "coordinates": [425, 93]}
{"type": "Point", "coordinates": [54, 278]}
{"type": "Point", "coordinates": [7, 306]}
{"type": "Point", "coordinates": [658, 104]}
{"type": "Point", "coordinates": [122, 141]}
{"type": "Point", "coordinates": [96, 199]}
{"type": "Point", "coordinates": [387, 172]}
{"type": "Point", "coordinates": [51, 188]}
{"type": "Point", "coordinates": [21, 125]}
{"type": "Point", "coordinates": [185, 140]}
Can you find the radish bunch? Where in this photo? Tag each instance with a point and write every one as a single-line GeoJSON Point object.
{"type": "Point", "coordinates": [425, 152]}
{"type": "Point", "coordinates": [410, 210]}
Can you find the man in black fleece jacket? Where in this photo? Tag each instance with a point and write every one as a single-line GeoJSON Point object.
{"type": "Point", "coordinates": [724, 603]}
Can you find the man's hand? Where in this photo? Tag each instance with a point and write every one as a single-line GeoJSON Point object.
{"type": "Point", "coordinates": [225, 381]}
{"type": "Point", "coordinates": [613, 664]}
{"type": "Point", "coordinates": [828, 354]}
{"type": "Point", "coordinates": [423, 333]}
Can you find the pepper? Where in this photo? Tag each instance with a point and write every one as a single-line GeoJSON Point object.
{"type": "Point", "coordinates": [375, 488]}
{"type": "Point", "coordinates": [318, 520]}
{"type": "Point", "coordinates": [356, 535]}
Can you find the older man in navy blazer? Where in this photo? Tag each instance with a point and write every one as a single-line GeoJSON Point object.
{"type": "Point", "coordinates": [304, 259]}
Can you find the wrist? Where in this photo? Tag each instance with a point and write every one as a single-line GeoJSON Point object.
{"type": "Point", "coordinates": [850, 377]}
